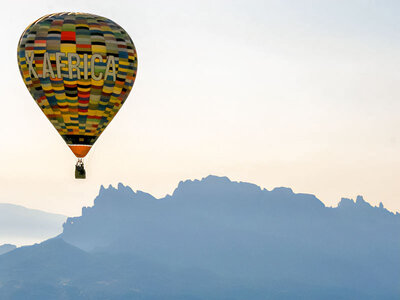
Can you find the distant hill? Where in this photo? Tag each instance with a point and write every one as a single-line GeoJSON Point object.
{"type": "Point", "coordinates": [213, 239]}
{"type": "Point", "coordinates": [6, 248]}
{"type": "Point", "coordinates": [20, 225]}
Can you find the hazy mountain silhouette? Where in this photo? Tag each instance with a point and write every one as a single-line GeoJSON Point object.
{"type": "Point", "coordinates": [6, 248]}
{"type": "Point", "coordinates": [213, 239]}
{"type": "Point", "coordinates": [21, 225]}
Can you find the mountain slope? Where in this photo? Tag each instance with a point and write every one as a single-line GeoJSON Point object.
{"type": "Point", "coordinates": [239, 230]}
{"type": "Point", "coordinates": [213, 239]}
{"type": "Point", "coordinates": [55, 269]}
{"type": "Point", "coordinates": [6, 248]}
{"type": "Point", "coordinates": [20, 225]}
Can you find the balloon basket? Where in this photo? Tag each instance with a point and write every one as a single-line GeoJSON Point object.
{"type": "Point", "coordinates": [80, 172]}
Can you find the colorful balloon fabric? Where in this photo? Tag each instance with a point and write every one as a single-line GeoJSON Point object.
{"type": "Point", "coordinates": [79, 68]}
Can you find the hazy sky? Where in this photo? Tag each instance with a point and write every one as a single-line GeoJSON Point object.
{"type": "Point", "coordinates": [302, 94]}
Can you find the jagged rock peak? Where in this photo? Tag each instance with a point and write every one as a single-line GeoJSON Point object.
{"type": "Point", "coordinates": [120, 188]}
{"type": "Point", "coordinates": [213, 179]}
{"type": "Point", "coordinates": [346, 202]}
{"type": "Point", "coordinates": [125, 188]}
{"type": "Point", "coordinates": [108, 189]}
{"type": "Point", "coordinates": [214, 184]}
{"type": "Point", "coordinates": [361, 204]}
{"type": "Point", "coordinates": [111, 194]}
{"type": "Point", "coordinates": [360, 200]}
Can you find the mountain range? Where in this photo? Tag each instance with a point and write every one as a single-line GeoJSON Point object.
{"type": "Point", "coordinates": [20, 225]}
{"type": "Point", "coordinates": [212, 239]}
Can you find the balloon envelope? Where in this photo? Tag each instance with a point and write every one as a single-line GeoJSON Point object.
{"type": "Point", "coordinates": [79, 68]}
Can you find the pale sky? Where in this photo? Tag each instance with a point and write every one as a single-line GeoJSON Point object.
{"type": "Point", "coordinates": [302, 94]}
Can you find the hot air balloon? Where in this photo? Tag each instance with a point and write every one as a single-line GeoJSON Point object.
{"type": "Point", "coordinates": [79, 69]}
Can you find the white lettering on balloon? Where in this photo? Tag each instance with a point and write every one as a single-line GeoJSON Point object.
{"type": "Point", "coordinates": [73, 63]}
